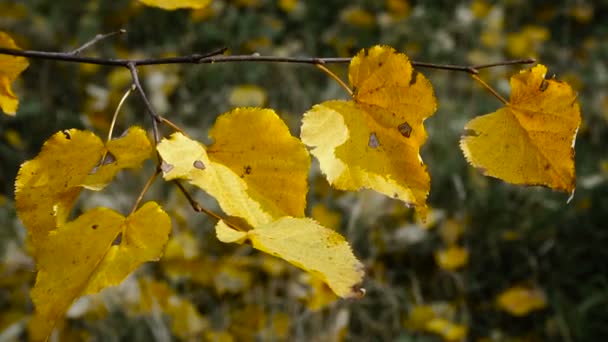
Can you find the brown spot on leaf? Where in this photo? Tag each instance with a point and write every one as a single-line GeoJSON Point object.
{"type": "Point", "coordinates": [414, 77]}
{"type": "Point", "coordinates": [373, 141]}
{"type": "Point", "coordinates": [95, 226]}
{"type": "Point", "coordinates": [470, 133]}
{"type": "Point", "coordinates": [544, 85]}
{"type": "Point", "coordinates": [67, 134]}
{"type": "Point", "coordinates": [247, 170]}
{"type": "Point", "coordinates": [198, 164]}
{"type": "Point", "coordinates": [405, 129]}
{"type": "Point", "coordinates": [166, 167]}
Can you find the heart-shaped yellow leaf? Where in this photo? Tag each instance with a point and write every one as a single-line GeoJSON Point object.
{"type": "Point", "coordinates": [374, 140]}
{"type": "Point", "coordinates": [255, 168]}
{"type": "Point", "coordinates": [531, 140]}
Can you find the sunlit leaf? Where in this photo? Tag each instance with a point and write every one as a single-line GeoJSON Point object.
{"type": "Point", "coordinates": [77, 257]}
{"type": "Point", "coordinates": [521, 300]}
{"type": "Point", "coordinates": [374, 140]}
{"type": "Point", "coordinates": [127, 152]}
{"type": "Point", "coordinates": [48, 185]}
{"type": "Point", "coordinates": [10, 68]}
{"type": "Point", "coordinates": [531, 140]}
{"type": "Point", "coordinates": [83, 257]}
{"type": "Point", "coordinates": [308, 245]}
{"type": "Point", "coordinates": [177, 4]}
{"type": "Point", "coordinates": [255, 168]}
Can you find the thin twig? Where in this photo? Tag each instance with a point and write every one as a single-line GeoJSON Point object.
{"type": "Point", "coordinates": [144, 190]}
{"type": "Point", "coordinates": [490, 89]}
{"type": "Point", "coordinates": [95, 40]}
{"type": "Point", "coordinates": [155, 117]}
{"type": "Point", "coordinates": [216, 56]}
{"type": "Point", "coordinates": [505, 63]}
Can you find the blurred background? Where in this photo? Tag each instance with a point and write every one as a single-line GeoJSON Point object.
{"type": "Point", "coordinates": [494, 262]}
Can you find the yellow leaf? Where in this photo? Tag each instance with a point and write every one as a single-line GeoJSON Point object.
{"type": "Point", "coordinates": [320, 295]}
{"type": "Point", "coordinates": [84, 256]}
{"type": "Point", "coordinates": [127, 152]}
{"type": "Point", "coordinates": [186, 321]}
{"type": "Point", "coordinates": [48, 185]}
{"type": "Point", "coordinates": [446, 329]}
{"type": "Point", "coordinates": [10, 68]}
{"type": "Point", "coordinates": [262, 179]}
{"type": "Point", "coordinates": [452, 258]}
{"type": "Point", "coordinates": [177, 4]}
{"type": "Point", "coordinates": [374, 141]}
{"type": "Point", "coordinates": [255, 168]}
{"type": "Point", "coordinates": [531, 140]}
{"type": "Point", "coordinates": [307, 245]}
{"type": "Point", "coordinates": [247, 95]}
{"type": "Point", "coordinates": [419, 316]}
{"type": "Point", "coordinates": [325, 216]}
{"type": "Point", "coordinates": [520, 300]}
{"type": "Point", "coordinates": [72, 257]}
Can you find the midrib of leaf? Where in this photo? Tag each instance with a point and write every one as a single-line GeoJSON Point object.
{"type": "Point", "coordinates": [513, 109]}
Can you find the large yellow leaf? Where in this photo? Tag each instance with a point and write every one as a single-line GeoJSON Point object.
{"type": "Point", "coordinates": [96, 250]}
{"type": "Point", "coordinates": [77, 257]}
{"type": "Point", "coordinates": [10, 68]}
{"type": "Point", "coordinates": [177, 4]}
{"type": "Point", "coordinates": [255, 168]}
{"type": "Point", "coordinates": [374, 140]}
{"type": "Point", "coordinates": [531, 140]}
{"type": "Point", "coordinates": [47, 186]}
{"type": "Point", "coordinates": [309, 246]}
{"type": "Point", "coordinates": [257, 171]}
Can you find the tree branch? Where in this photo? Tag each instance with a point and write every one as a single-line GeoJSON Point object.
{"type": "Point", "coordinates": [155, 117]}
{"type": "Point", "coordinates": [216, 56]}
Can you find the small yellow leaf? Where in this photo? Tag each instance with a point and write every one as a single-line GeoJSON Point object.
{"type": "Point", "coordinates": [177, 4]}
{"type": "Point", "coordinates": [419, 316]}
{"type": "Point", "coordinates": [452, 258]}
{"type": "Point", "coordinates": [10, 68]}
{"type": "Point", "coordinates": [309, 246]}
{"type": "Point", "coordinates": [247, 95]}
{"type": "Point", "coordinates": [520, 300]}
{"type": "Point", "coordinates": [255, 168]}
{"type": "Point", "coordinates": [127, 152]}
{"type": "Point", "coordinates": [531, 140]}
{"type": "Point", "coordinates": [374, 141]}
{"type": "Point", "coordinates": [446, 329]}
{"type": "Point", "coordinates": [325, 216]}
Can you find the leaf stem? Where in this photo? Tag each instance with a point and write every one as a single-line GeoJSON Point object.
{"type": "Point", "coordinates": [122, 101]}
{"type": "Point", "coordinates": [172, 125]}
{"type": "Point", "coordinates": [335, 77]}
{"type": "Point", "coordinates": [144, 190]}
{"type": "Point", "coordinates": [200, 209]}
{"type": "Point", "coordinates": [95, 40]}
{"type": "Point", "coordinates": [490, 89]}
